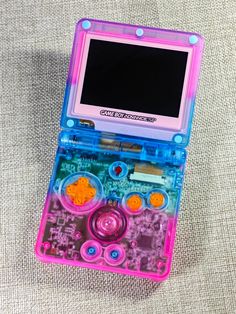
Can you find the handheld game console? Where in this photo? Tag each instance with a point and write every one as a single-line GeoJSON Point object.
{"type": "Point", "coordinates": [115, 190]}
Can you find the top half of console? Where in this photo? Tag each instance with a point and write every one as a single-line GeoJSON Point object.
{"type": "Point", "coordinates": [131, 80]}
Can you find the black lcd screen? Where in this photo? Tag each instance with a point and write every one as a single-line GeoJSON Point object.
{"type": "Point", "coordinates": [135, 78]}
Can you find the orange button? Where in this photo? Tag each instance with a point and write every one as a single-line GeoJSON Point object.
{"type": "Point", "coordinates": [81, 191]}
{"type": "Point", "coordinates": [157, 199]}
{"type": "Point", "coordinates": [134, 202]}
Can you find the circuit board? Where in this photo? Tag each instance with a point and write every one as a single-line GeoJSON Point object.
{"type": "Point", "coordinates": [112, 213]}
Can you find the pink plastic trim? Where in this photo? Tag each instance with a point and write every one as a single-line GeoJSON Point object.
{"type": "Point", "coordinates": [165, 128]}
{"type": "Point", "coordinates": [93, 112]}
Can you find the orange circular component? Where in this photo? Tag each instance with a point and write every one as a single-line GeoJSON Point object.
{"type": "Point", "coordinates": [81, 191]}
{"type": "Point", "coordinates": [83, 181]}
{"type": "Point", "coordinates": [157, 199]}
{"type": "Point", "coordinates": [134, 202]}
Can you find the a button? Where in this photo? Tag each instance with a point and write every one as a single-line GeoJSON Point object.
{"type": "Point", "coordinates": [114, 255]}
{"type": "Point", "coordinates": [134, 203]}
{"type": "Point", "coordinates": [157, 199]}
{"type": "Point", "coordinates": [118, 170]}
{"type": "Point", "coordinates": [91, 251]}
{"type": "Point", "coordinates": [108, 223]}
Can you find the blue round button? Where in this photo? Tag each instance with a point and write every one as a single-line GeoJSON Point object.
{"type": "Point", "coordinates": [70, 123]}
{"type": "Point", "coordinates": [91, 250]}
{"type": "Point", "coordinates": [118, 170]}
{"type": "Point", "coordinates": [86, 24]}
{"type": "Point", "coordinates": [139, 32]}
{"type": "Point", "coordinates": [178, 139]}
{"type": "Point", "coordinates": [114, 254]}
{"type": "Point", "coordinates": [193, 39]}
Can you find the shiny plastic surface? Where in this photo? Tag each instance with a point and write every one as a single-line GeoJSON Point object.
{"type": "Point", "coordinates": [114, 196]}
{"type": "Point", "coordinates": [77, 115]}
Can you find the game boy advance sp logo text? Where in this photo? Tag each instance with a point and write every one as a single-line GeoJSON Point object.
{"type": "Point", "coordinates": [123, 115]}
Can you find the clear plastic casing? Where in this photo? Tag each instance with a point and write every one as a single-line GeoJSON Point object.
{"type": "Point", "coordinates": [114, 194]}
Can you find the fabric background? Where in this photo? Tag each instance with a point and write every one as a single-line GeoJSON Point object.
{"type": "Point", "coordinates": [35, 45]}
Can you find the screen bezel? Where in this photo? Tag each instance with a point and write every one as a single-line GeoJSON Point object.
{"type": "Point", "coordinates": [90, 112]}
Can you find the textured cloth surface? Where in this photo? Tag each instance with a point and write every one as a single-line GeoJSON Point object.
{"type": "Point", "coordinates": [35, 45]}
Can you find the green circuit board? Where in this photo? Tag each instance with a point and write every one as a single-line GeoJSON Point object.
{"type": "Point", "coordinates": [137, 179]}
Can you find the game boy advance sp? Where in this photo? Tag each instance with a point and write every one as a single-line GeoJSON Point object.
{"type": "Point", "coordinates": [115, 189]}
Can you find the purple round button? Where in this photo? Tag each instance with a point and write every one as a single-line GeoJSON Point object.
{"type": "Point", "coordinates": [108, 223]}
